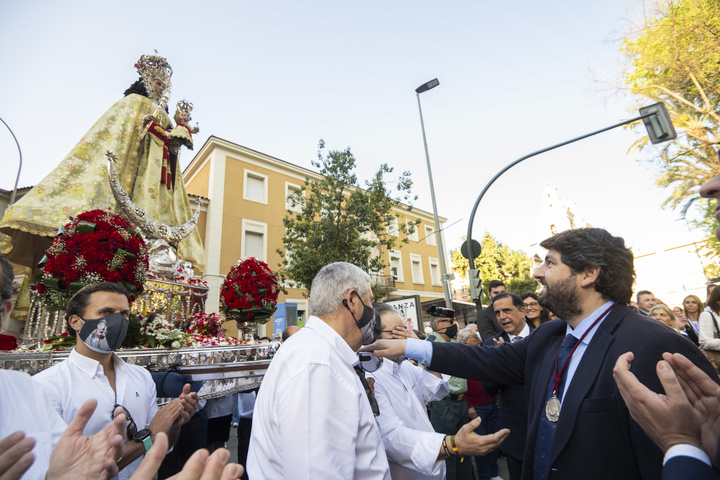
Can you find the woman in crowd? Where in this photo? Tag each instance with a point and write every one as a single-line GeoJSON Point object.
{"type": "Point", "coordinates": [709, 328]}
{"type": "Point", "coordinates": [534, 313]}
{"type": "Point", "coordinates": [693, 307]}
{"type": "Point", "coordinates": [662, 313]}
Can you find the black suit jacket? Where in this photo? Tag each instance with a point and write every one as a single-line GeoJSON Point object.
{"type": "Point", "coordinates": [688, 468]}
{"type": "Point", "coordinates": [487, 324]}
{"type": "Point", "coordinates": [513, 409]}
{"type": "Point", "coordinates": [595, 436]}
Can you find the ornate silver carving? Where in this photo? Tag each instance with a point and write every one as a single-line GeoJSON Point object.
{"type": "Point", "coordinates": [136, 215]}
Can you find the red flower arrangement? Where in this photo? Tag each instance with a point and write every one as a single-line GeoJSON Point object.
{"type": "Point", "coordinates": [97, 246]}
{"type": "Point", "coordinates": [202, 323]}
{"type": "Point", "coordinates": [8, 342]}
{"type": "Point", "coordinates": [249, 292]}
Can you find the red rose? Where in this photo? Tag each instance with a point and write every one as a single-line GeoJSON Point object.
{"type": "Point", "coordinates": [8, 342]}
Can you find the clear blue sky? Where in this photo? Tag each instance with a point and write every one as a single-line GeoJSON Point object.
{"type": "Point", "coordinates": [277, 76]}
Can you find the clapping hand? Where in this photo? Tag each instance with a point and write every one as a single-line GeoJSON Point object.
{"type": "Point", "coordinates": [201, 464]}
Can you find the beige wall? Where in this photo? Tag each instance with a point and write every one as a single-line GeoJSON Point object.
{"type": "Point", "coordinates": [231, 163]}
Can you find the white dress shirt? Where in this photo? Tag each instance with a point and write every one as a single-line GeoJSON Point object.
{"type": "Point", "coordinates": [312, 418]}
{"type": "Point", "coordinates": [70, 383]}
{"type": "Point", "coordinates": [25, 407]}
{"type": "Point", "coordinates": [524, 333]}
{"type": "Point", "coordinates": [411, 444]}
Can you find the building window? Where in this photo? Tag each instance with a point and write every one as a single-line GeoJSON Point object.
{"type": "Point", "coordinates": [396, 265]}
{"type": "Point", "coordinates": [435, 275]}
{"type": "Point", "coordinates": [289, 189]}
{"type": "Point", "coordinates": [254, 240]}
{"type": "Point", "coordinates": [411, 227]}
{"type": "Point", "coordinates": [430, 235]}
{"type": "Point", "coordinates": [255, 187]}
{"type": "Point", "coordinates": [417, 271]}
{"type": "Point", "coordinates": [392, 227]}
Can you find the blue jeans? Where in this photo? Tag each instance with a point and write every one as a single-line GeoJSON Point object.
{"type": "Point", "coordinates": [487, 464]}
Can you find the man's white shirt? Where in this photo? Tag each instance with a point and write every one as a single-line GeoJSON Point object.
{"type": "Point", "coordinates": [25, 407]}
{"type": "Point", "coordinates": [71, 382]}
{"type": "Point", "coordinates": [411, 444]}
{"type": "Point", "coordinates": [312, 417]}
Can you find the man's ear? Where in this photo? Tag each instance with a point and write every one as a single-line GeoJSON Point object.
{"type": "Point", "coordinates": [75, 322]}
{"type": "Point", "coordinates": [6, 309]}
{"type": "Point", "coordinates": [590, 276]}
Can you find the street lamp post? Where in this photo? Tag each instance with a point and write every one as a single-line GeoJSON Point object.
{"type": "Point", "coordinates": [443, 267]}
{"type": "Point", "coordinates": [14, 192]}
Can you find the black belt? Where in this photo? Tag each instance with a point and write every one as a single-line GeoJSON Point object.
{"type": "Point", "coordinates": [456, 397]}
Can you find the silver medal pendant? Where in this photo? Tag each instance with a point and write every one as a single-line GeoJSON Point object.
{"type": "Point", "coordinates": [552, 409]}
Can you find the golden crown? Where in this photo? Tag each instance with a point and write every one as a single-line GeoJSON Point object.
{"type": "Point", "coordinates": [184, 106]}
{"type": "Point", "coordinates": [153, 65]}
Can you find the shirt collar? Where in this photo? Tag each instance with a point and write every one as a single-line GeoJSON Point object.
{"type": "Point", "coordinates": [390, 367]}
{"type": "Point", "coordinates": [585, 324]}
{"type": "Point", "coordinates": [90, 366]}
{"type": "Point", "coordinates": [524, 333]}
{"type": "Point", "coordinates": [338, 344]}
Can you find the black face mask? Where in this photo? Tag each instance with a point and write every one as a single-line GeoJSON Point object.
{"type": "Point", "coordinates": [366, 322]}
{"type": "Point", "coordinates": [104, 334]}
{"type": "Point", "coordinates": [451, 331]}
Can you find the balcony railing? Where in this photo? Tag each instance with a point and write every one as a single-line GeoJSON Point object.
{"type": "Point", "coordinates": [385, 283]}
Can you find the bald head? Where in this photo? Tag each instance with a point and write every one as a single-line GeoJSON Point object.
{"type": "Point", "coordinates": [291, 330]}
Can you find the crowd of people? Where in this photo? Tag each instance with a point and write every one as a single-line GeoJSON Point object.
{"type": "Point", "coordinates": [572, 383]}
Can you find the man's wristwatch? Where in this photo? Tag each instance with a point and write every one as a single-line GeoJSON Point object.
{"type": "Point", "coordinates": [143, 436]}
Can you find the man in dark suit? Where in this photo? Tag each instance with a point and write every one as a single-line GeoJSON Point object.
{"type": "Point", "coordinates": [509, 309]}
{"type": "Point", "coordinates": [579, 426]}
{"type": "Point", "coordinates": [486, 322]}
{"type": "Point", "coordinates": [645, 301]}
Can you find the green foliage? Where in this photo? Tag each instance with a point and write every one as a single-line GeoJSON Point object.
{"type": "Point", "coordinates": [341, 222]}
{"type": "Point", "coordinates": [498, 262]}
{"type": "Point", "coordinates": [675, 58]}
{"type": "Point", "coordinates": [710, 248]}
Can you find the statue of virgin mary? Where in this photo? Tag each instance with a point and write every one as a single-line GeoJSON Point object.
{"type": "Point", "coordinates": [146, 167]}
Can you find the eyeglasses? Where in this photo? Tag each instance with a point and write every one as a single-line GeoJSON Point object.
{"type": "Point", "coordinates": [532, 304]}
{"type": "Point", "coordinates": [131, 427]}
{"type": "Point", "coordinates": [371, 398]}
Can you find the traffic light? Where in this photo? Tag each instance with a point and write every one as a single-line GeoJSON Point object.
{"type": "Point", "coordinates": [658, 124]}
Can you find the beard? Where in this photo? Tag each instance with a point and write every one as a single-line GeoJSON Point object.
{"type": "Point", "coordinates": [561, 298]}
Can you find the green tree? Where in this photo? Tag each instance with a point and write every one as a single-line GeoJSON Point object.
{"type": "Point", "coordinates": [498, 262]}
{"type": "Point", "coordinates": [340, 222]}
{"type": "Point", "coordinates": [674, 57]}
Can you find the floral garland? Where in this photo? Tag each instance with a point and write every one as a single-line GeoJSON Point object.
{"type": "Point", "coordinates": [249, 292]}
{"type": "Point", "coordinates": [97, 246]}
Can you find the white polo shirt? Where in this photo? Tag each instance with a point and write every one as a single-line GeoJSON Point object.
{"type": "Point", "coordinates": [71, 382]}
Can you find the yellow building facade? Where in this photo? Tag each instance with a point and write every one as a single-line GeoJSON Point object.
{"type": "Point", "coordinates": [245, 194]}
